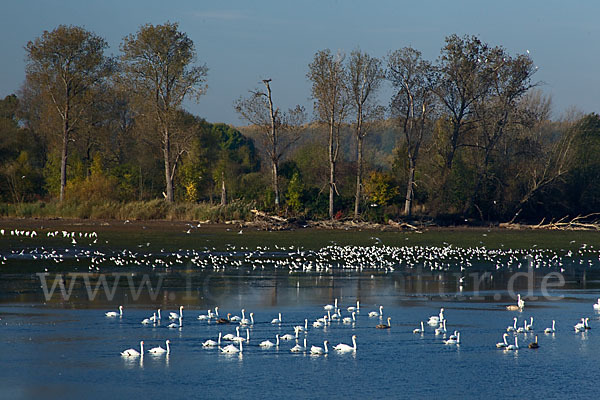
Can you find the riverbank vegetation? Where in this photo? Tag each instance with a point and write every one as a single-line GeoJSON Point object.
{"type": "Point", "coordinates": [467, 137]}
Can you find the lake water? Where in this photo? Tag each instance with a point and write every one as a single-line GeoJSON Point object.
{"type": "Point", "coordinates": [63, 346]}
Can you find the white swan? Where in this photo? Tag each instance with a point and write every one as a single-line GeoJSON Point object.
{"type": "Point", "coordinates": [514, 327]}
{"type": "Point", "coordinates": [520, 305]}
{"type": "Point", "coordinates": [147, 321]}
{"type": "Point", "coordinates": [134, 352]}
{"type": "Point", "coordinates": [112, 314]}
{"type": "Point", "coordinates": [297, 348]}
{"type": "Point", "coordinates": [239, 338]}
{"type": "Point", "coordinates": [453, 340]}
{"type": "Point", "coordinates": [349, 320]}
{"type": "Point", "coordinates": [585, 323]}
{"type": "Point", "coordinates": [287, 336]}
{"type": "Point", "coordinates": [204, 317]}
{"type": "Point", "coordinates": [300, 328]}
{"type": "Point", "coordinates": [244, 320]}
{"type": "Point", "coordinates": [331, 307]}
{"type": "Point", "coordinates": [344, 348]}
{"type": "Point", "coordinates": [319, 350]}
{"type": "Point", "coordinates": [441, 329]}
{"type": "Point", "coordinates": [174, 315]}
{"type": "Point", "coordinates": [529, 327]}
{"type": "Point", "coordinates": [160, 350]}
{"type": "Point", "coordinates": [374, 314]}
{"type": "Point", "coordinates": [276, 320]}
{"type": "Point", "coordinates": [154, 318]}
{"type": "Point", "coordinates": [504, 343]}
{"type": "Point", "coordinates": [551, 330]}
{"type": "Point", "coordinates": [580, 327]}
{"type": "Point", "coordinates": [351, 308]}
{"type": "Point", "coordinates": [268, 343]}
{"type": "Point", "coordinates": [235, 318]}
{"type": "Point", "coordinates": [520, 302]}
{"type": "Point", "coordinates": [173, 325]}
{"type": "Point", "coordinates": [522, 329]}
{"type": "Point", "coordinates": [597, 305]}
{"type": "Point", "coordinates": [421, 330]}
{"type": "Point", "coordinates": [232, 349]}
{"type": "Point", "coordinates": [436, 319]}
{"type": "Point", "coordinates": [212, 343]}
{"type": "Point", "coordinates": [513, 346]}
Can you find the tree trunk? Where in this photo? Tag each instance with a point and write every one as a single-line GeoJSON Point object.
{"type": "Point", "coordinates": [223, 190]}
{"type": "Point", "coordinates": [331, 169]}
{"type": "Point", "coordinates": [63, 159]}
{"type": "Point", "coordinates": [276, 185]}
{"type": "Point", "coordinates": [274, 142]}
{"type": "Point", "coordinates": [409, 188]}
{"type": "Point", "coordinates": [167, 155]}
{"type": "Point", "coordinates": [358, 174]}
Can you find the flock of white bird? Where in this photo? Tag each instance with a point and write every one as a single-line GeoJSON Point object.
{"type": "Point", "coordinates": [332, 314]}
{"type": "Point", "coordinates": [294, 259]}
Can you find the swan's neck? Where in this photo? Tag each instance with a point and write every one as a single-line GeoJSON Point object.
{"type": "Point", "coordinates": [325, 344]}
{"type": "Point", "coordinates": [277, 340]}
{"type": "Point", "coordinates": [219, 342]}
{"type": "Point", "coordinates": [159, 313]}
{"type": "Point", "coordinates": [354, 342]}
{"type": "Point", "coordinates": [141, 347]}
{"type": "Point", "coordinates": [252, 319]}
{"type": "Point", "coordinates": [168, 348]}
{"type": "Point", "coordinates": [305, 323]}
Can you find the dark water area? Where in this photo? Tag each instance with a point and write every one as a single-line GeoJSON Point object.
{"type": "Point", "coordinates": [58, 343]}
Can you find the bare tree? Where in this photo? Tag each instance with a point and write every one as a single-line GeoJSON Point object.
{"type": "Point", "coordinates": [365, 75]}
{"type": "Point", "coordinates": [328, 76]}
{"type": "Point", "coordinates": [278, 130]}
{"type": "Point", "coordinates": [158, 64]}
{"type": "Point", "coordinates": [65, 65]}
{"type": "Point", "coordinates": [412, 105]}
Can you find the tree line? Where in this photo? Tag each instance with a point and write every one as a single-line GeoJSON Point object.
{"type": "Point", "coordinates": [469, 135]}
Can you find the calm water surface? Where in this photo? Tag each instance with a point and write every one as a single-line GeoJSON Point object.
{"type": "Point", "coordinates": [65, 347]}
{"type": "Point", "coordinates": [72, 351]}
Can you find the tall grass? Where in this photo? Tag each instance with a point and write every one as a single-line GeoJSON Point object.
{"type": "Point", "coordinates": [138, 210]}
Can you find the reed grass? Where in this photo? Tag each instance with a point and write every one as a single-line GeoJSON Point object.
{"type": "Point", "coordinates": [138, 210]}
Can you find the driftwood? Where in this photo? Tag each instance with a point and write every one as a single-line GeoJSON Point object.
{"type": "Point", "coordinates": [588, 222]}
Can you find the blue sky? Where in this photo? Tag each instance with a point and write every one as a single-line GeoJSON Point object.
{"type": "Point", "coordinates": [243, 42]}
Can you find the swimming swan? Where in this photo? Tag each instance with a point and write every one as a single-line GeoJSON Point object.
{"type": "Point", "coordinates": [113, 314]}
{"type": "Point", "coordinates": [384, 326]}
{"type": "Point", "coordinates": [134, 352]}
{"type": "Point", "coordinates": [160, 350]}
{"type": "Point", "coordinates": [344, 348]}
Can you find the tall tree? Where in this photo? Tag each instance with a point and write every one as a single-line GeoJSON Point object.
{"type": "Point", "coordinates": [64, 65]}
{"type": "Point", "coordinates": [278, 130]}
{"type": "Point", "coordinates": [496, 112]}
{"type": "Point", "coordinates": [158, 64]}
{"type": "Point", "coordinates": [462, 80]}
{"type": "Point", "coordinates": [412, 105]}
{"type": "Point", "coordinates": [364, 79]}
{"type": "Point", "coordinates": [328, 76]}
